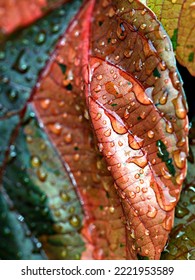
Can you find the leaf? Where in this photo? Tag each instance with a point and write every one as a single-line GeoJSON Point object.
{"type": "Point", "coordinates": [40, 190]}
{"type": "Point", "coordinates": [178, 19]}
{"type": "Point", "coordinates": [126, 107]}
{"type": "Point", "coordinates": [135, 101]}
{"type": "Point", "coordinates": [21, 14]}
{"type": "Point", "coordinates": [182, 240]}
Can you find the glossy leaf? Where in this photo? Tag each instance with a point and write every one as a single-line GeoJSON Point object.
{"type": "Point", "coordinates": [136, 119]}
{"type": "Point", "coordinates": [178, 19]}
{"type": "Point", "coordinates": [181, 245]}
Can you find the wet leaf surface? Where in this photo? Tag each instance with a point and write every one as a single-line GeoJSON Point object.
{"type": "Point", "coordinates": [178, 18]}
{"type": "Point", "coordinates": [98, 149]}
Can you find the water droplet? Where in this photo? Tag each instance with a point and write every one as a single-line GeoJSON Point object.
{"type": "Point", "coordinates": [99, 77]}
{"type": "Point", "coordinates": [35, 161]}
{"type": "Point", "coordinates": [132, 194]}
{"type": "Point", "coordinates": [68, 138]}
{"type": "Point", "coordinates": [181, 212]}
{"type": "Point", "coordinates": [169, 127]}
{"type": "Point", "coordinates": [179, 178]}
{"type": "Point", "coordinates": [168, 223]}
{"type": "Point", "coordinates": [111, 12]}
{"type": "Point", "coordinates": [74, 221]}
{"type": "Point", "coordinates": [45, 103]}
{"type": "Point", "coordinates": [12, 95]}
{"type": "Point", "coordinates": [40, 38]}
{"type": "Point", "coordinates": [138, 65]}
{"type": "Point", "coordinates": [20, 64]}
{"type": "Point", "coordinates": [179, 158]}
{"type": "Point", "coordinates": [55, 128]}
{"type": "Point", "coordinates": [119, 127]}
{"type": "Point", "coordinates": [132, 234]}
{"type": "Point", "coordinates": [64, 196]}
{"type": "Point", "coordinates": [108, 132]}
{"type": "Point", "coordinates": [42, 175]}
{"type": "Point", "coordinates": [144, 189]}
{"type": "Point", "coordinates": [140, 161]}
{"type": "Point", "coordinates": [165, 173]}
{"type": "Point", "coordinates": [180, 108]}
{"type": "Point", "coordinates": [111, 88]}
{"type": "Point", "coordinates": [128, 53]}
{"type": "Point", "coordinates": [97, 88]}
{"type": "Point", "coordinates": [181, 142]}
{"type": "Point", "coordinates": [143, 115]}
{"type": "Point", "coordinates": [137, 176]}
{"type": "Point", "coordinates": [147, 232]}
{"type": "Point", "coordinates": [135, 142]}
{"type": "Point", "coordinates": [76, 157]}
{"type": "Point", "coordinates": [98, 116]}
{"type": "Point", "coordinates": [142, 97]}
{"type": "Point", "coordinates": [150, 134]}
{"type": "Point", "coordinates": [126, 114]}
{"type": "Point", "coordinates": [152, 211]}
{"type": "Point", "coordinates": [121, 31]}
{"type": "Point", "coordinates": [111, 209]}
{"type": "Point", "coordinates": [163, 98]}
{"type": "Point", "coordinates": [132, 12]}
{"type": "Point", "coordinates": [143, 26]}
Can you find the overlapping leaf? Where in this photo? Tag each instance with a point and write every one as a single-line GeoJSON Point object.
{"type": "Point", "coordinates": [178, 18]}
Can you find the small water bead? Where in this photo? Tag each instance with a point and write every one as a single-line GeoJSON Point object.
{"type": "Point", "coordinates": [144, 189]}
{"type": "Point", "coordinates": [68, 138]}
{"type": "Point", "coordinates": [97, 88]}
{"type": "Point", "coordinates": [150, 134]}
{"type": "Point", "coordinates": [113, 41]}
{"type": "Point", "coordinates": [152, 211]}
{"type": "Point", "coordinates": [128, 53]}
{"type": "Point", "coordinates": [42, 175]}
{"type": "Point", "coordinates": [147, 232]}
{"type": "Point", "coordinates": [132, 194]}
{"type": "Point", "coordinates": [163, 98]}
{"type": "Point", "coordinates": [20, 64]}
{"type": "Point", "coordinates": [137, 176]}
{"type": "Point", "coordinates": [132, 12]}
{"type": "Point", "coordinates": [179, 178]}
{"type": "Point", "coordinates": [111, 209]}
{"type": "Point", "coordinates": [165, 173]}
{"type": "Point", "coordinates": [55, 128]}
{"type": "Point", "coordinates": [35, 161]}
{"type": "Point", "coordinates": [40, 38]}
{"type": "Point", "coordinates": [181, 212]}
{"type": "Point", "coordinates": [74, 221]}
{"type": "Point", "coordinates": [121, 31]}
{"type": "Point", "coordinates": [108, 132]}
{"type": "Point", "coordinates": [111, 88]}
{"type": "Point", "coordinates": [169, 127]}
{"type": "Point", "coordinates": [181, 142]}
{"type": "Point", "coordinates": [12, 95]}
{"type": "Point", "coordinates": [143, 115]}
{"type": "Point", "coordinates": [179, 158]}
{"type": "Point", "coordinates": [132, 234]}
{"type": "Point", "coordinates": [76, 157]}
{"type": "Point", "coordinates": [45, 103]}
{"type": "Point", "coordinates": [140, 161]}
{"type": "Point", "coordinates": [64, 196]}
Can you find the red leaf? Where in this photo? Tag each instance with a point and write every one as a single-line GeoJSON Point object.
{"type": "Point", "coordinates": [22, 13]}
{"type": "Point", "coordinates": [118, 52]}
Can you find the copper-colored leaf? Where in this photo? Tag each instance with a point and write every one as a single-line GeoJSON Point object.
{"type": "Point", "coordinates": [138, 113]}
{"type": "Point", "coordinates": [178, 18]}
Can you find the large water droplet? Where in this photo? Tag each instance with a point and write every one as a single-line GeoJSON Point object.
{"type": "Point", "coordinates": [168, 223]}
{"type": "Point", "coordinates": [163, 98]}
{"type": "Point", "coordinates": [135, 142]}
{"type": "Point", "coordinates": [140, 161]}
{"type": "Point", "coordinates": [179, 158]}
{"type": "Point", "coordinates": [111, 88]}
{"type": "Point", "coordinates": [118, 126]}
{"type": "Point", "coordinates": [180, 108]}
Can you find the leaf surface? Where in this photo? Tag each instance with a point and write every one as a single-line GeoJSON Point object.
{"type": "Point", "coordinates": [178, 18]}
